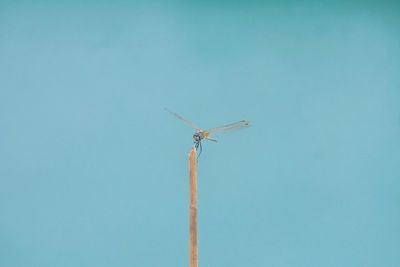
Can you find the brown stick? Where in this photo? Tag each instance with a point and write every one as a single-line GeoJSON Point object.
{"type": "Point", "coordinates": [193, 208]}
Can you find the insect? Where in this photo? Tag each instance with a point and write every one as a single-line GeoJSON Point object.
{"type": "Point", "coordinates": [209, 134]}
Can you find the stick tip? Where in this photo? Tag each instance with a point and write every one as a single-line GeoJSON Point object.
{"type": "Point", "coordinates": [193, 152]}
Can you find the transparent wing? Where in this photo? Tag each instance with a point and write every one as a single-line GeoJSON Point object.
{"type": "Point", "coordinates": [188, 122]}
{"type": "Point", "coordinates": [229, 127]}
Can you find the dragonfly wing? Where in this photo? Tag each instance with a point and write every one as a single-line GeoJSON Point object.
{"type": "Point", "coordinates": [188, 122]}
{"type": "Point", "coordinates": [229, 127]}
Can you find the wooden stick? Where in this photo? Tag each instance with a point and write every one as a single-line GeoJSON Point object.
{"type": "Point", "coordinates": [193, 208]}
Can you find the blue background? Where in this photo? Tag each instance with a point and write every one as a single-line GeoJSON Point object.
{"type": "Point", "coordinates": [93, 172]}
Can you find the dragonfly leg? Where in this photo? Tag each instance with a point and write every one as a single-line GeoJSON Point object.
{"type": "Point", "coordinates": [201, 149]}
{"type": "Point", "coordinates": [197, 145]}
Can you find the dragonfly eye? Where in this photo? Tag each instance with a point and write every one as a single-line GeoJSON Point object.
{"type": "Point", "coordinates": [197, 137]}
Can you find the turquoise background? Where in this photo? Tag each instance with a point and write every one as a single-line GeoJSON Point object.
{"type": "Point", "coordinates": [93, 171]}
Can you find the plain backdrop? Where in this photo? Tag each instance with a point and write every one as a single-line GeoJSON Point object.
{"type": "Point", "coordinates": [93, 171]}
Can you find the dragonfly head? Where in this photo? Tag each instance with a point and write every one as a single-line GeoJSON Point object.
{"type": "Point", "coordinates": [197, 137]}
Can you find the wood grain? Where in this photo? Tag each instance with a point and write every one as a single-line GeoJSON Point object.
{"type": "Point", "coordinates": [193, 208]}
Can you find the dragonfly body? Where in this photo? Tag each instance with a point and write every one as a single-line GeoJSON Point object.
{"type": "Point", "coordinates": [199, 135]}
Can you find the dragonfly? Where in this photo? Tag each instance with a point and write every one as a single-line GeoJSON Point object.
{"type": "Point", "coordinates": [209, 134]}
